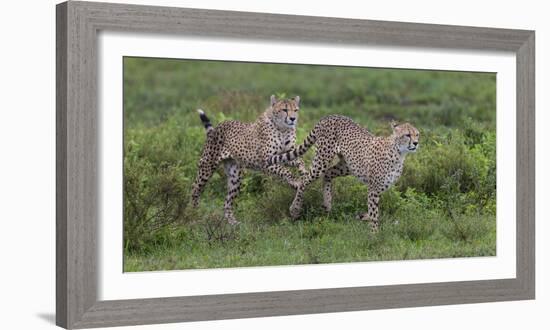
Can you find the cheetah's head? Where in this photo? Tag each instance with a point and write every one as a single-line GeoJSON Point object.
{"type": "Point", "coordinates": [406, 137]}
{"type": "Point", "coordinates": [285, 112]}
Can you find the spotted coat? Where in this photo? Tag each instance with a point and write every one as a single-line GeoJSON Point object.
{"type": "Point", "coordinates": [377, 161]}
{"type": "Point", "coordinates": [241, 145]}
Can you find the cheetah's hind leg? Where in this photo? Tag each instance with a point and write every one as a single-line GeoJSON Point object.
{"type": "Point", "coordinates": [320, 165]}
{"type": "Point", "coordinates": [233, 173]}
{"type": "Point", "coordinates": [340, 169]}
{"type": "Point", "coordinates": [207, 166]}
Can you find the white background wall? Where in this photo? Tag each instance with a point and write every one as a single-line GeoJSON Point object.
{"type": "Point", "coordinates": [27, 163]}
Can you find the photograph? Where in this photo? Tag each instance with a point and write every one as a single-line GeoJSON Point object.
{"type": "Point", "coordinates": [242, 164]}
{"type": "Point", "coordinates": [245, 165]}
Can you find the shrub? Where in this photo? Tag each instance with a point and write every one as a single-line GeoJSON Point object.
{"type": "Point", "coordinates": [272, 205]}
{"type": "Point", "coordinates": [444, 155]}
{"type": "Point", "coordinates": [156, 187]}
{"type": "Point", "coordinates": [153, 199]}
{"type": "Point", "coordinates": [415, 218]}
{"type": "Point", "coordinates": [467, 228]}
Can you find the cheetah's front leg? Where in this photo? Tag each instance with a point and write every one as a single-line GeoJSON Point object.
{"type": "Point", "coordinates": [284, 174]}
{"type": "Point", "coordinates": [372, 213]}
{"type": "Point", "coordinates": [299, 163]}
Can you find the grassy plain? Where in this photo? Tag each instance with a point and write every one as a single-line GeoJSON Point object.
{"type": "Point", "coordinates": [443, 206]}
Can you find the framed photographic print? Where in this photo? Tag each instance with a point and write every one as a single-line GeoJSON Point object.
{"type": "Point", "coordinates": [217, 165]}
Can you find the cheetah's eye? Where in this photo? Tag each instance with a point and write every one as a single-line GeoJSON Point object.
{"type": "Point", "coordinates": [408, 135]}
{"type": "Point", "coordinates": [285, 110]}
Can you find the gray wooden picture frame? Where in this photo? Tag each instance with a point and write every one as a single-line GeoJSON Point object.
{"type": "Point", "coordinates": [78, 24]}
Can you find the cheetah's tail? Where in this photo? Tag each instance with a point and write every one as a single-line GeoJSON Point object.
{"type": "Point", "coordinates": [205, 121]}
{"type": "Point", "coordinates": [294, 153]}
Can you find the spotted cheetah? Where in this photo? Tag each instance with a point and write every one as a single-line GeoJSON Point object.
{"type": "Point", "coordinates": [377, 161]}
{"type": "Point", "coordinates": [241, 145]}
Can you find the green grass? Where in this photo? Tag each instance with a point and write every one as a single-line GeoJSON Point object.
{"type": "Point", "coordinates": [443, 206]}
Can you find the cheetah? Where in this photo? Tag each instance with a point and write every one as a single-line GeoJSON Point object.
{"type": "Point", "coordinates": [376, 160]}
{"type": "Point", "coordinates": [241, 145]}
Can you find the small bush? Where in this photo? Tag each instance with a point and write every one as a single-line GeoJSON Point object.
{"type": "Point", "coordinates": [152, 202]}
{"type": "Point", "coordinates": [273, 204]}
{"type": "Point", "coordinates": [441, 156]}
{"type": "Point", "coordinates": [467, 228]}
{"type": "Point", "coordinates": [415, 218]}
{"type": "Point", "coordinates": [156, 189]}
{"type": "Point", "coordinates": [216, 229]}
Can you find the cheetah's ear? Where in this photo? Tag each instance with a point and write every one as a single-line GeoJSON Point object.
{"type": "Point", "coordinates": [297, 100]}
{"type": "Point", "coordinates": [394, 124]}
{"type": "Point", "coordinates": [273, 100]}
